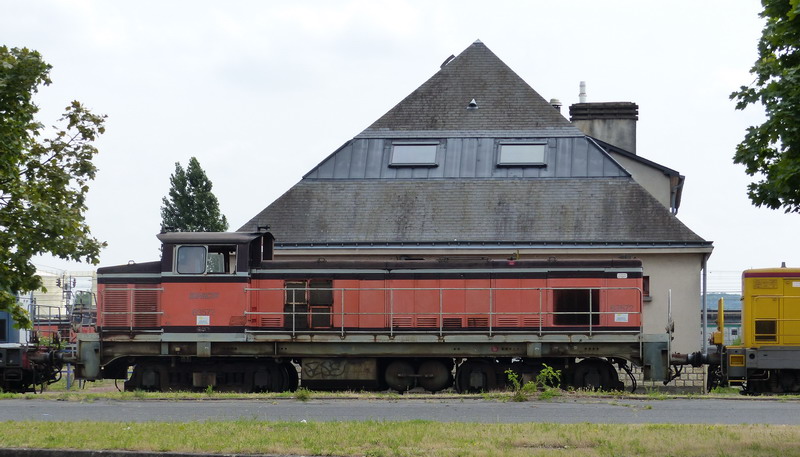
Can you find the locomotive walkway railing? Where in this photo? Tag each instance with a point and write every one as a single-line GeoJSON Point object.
{"type": "Point", "coordinates": [398, 322]}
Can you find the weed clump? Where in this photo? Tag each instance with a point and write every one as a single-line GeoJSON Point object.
{"type": "Point", "coordinates": [545, 384]}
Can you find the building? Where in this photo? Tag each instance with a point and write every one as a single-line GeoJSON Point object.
{"type": "Point", "coordinates": [475, 163]}
{"type": "Point", "coordinates": [51, 306]}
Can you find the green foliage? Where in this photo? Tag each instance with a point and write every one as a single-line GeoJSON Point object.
{"type": "Point", "coordinates": [546, 383]}
{"type": "Point", "coordinates": [43, 181]}
{"type": "Point", "coordinates": [302, 394]}
{"type": "Point", "coordinates": [191, 206]}
{"type": "Point", "coordinates": [548, 378]}
{"type": "Point", "coordinates": [772, 149]}
{"type": "Point", "coordinates": [726, 390]}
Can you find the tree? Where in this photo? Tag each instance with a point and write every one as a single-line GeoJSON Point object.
{"type": "Point", "coordinates": [43, 182]}
{"type": "Point", "coordinates": [772, 149]}
{"type": "Point", "coordinates": [191, 206]}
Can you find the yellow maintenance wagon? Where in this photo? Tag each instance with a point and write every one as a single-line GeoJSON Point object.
{"type": "Point", "coordinates": [768, 360]}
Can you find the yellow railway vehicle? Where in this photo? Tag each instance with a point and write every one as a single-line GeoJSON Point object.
{"type": "Point", "coordinates": [768, 360]}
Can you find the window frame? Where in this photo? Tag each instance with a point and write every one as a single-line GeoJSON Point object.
{"type": "Point", "coordinates": [228, 252]}
{"type": "Point", "coordinates": [394, 163]}
{"type": "Point", "coordinates": [521, 163]}
{"type": "Point", "coordinates": [178, 261]}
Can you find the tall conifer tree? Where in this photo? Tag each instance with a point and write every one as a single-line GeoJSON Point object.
{"type": "Point", "coordinates": [190, 205]}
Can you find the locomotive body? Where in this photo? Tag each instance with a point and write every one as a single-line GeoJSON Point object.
{"type": "Point", "coordinates": [30, 360]}
{"type": "Point", "coordinates": [768, 360]}
{"type": "Point", "coordinates": [218, 311]}
{"type": "Point", "coordinates": [24, 366]}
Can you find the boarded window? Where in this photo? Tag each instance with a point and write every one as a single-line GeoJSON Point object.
{"type": "Point", "coordinates": [321, 300]}
{"type": "Point", "coordinates": [321, 291]}
{"type": "Point", "coordinates": [296, 307]}
{"type": "Point", "coordinates": [296, 293]}
{"type": "Point", "coordinates": [576, 306]}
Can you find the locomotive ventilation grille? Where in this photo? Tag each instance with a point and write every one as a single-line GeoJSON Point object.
{"type": "Point", "coordinates": [131, 307]}
{"type": "Point", "coordinates": [271, 322]}
{"type": "Point", "coordinates": [116, 308]}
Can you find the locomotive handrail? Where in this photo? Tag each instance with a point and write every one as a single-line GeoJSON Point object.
{"type": "Point", "coordinates": [491, 313]}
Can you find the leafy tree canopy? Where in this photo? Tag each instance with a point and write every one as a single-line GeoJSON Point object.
{"type": "Point", "coordinates": [43, 182]}
{"type": "Point", "coordinates": [772, 149]}
{"type": "Point", "coordinates": [190, 205]}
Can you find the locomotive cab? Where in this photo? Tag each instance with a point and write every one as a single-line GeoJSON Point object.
{"type": "Point", "coordinates": [200, 253]}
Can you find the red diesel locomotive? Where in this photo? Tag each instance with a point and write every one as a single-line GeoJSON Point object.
{"type": "Point", "coordinates": [217, 310]}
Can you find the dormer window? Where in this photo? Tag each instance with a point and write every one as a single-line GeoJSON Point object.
{"type": "Point", "coordinates": [529, 154]}
{"type": "Point", "coordinates": [414, 154]}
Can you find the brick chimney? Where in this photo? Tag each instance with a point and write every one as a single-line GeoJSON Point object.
{"type": "Point", "coordinates": [612, 122]}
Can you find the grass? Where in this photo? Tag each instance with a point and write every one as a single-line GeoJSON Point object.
{"type": "Point", "coordinates": [108, 392]}
{"type": "Point", "coordinates": [413, 438]}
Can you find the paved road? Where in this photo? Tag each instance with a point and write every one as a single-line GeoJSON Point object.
{"type": "Point", "coordinates": [617, 411]}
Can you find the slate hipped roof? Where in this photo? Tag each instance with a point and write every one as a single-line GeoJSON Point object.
{"type": "Point", "coordinates": [504, 102]}
{"type": "Point", "coordinates": [357, 197]}
{"type": "Point", "coordinates": [456, 212]}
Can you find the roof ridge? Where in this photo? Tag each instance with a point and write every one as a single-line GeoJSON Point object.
{"type": "Point", "coordinates": [502, 100]}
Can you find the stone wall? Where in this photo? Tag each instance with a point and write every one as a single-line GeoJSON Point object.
{"type": "Point", "coordinates": [692, 380]}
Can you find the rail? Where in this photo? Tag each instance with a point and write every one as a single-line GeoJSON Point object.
{"type": "Point", "coordinates": [397, 322]}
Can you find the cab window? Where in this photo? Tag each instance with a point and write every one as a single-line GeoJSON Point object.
{"type": "Point", "coordinates": [191, 260]}
{"type": "Point", "coordinates": [197, 260]}
{"type": "Point", "coordinates": [221, 259]}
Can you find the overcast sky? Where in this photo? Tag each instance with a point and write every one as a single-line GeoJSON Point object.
{"type": "Point", "coordinates": [260, 92]}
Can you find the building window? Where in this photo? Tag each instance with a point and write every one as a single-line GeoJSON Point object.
{"type": "Point", "coordinates": [191, 260]}
{"type": "Point", "coordinates": [3, 329]}
{"type": "Point", "coordinates": [521, 155]}
{"type": "Point", "coordinates": [646, 286]}
{"type": "Point", "coordinates": [417, 154]}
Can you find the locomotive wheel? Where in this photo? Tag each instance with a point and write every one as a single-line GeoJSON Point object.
{"type": "Point", "coordinates": [272, 377]}
{"type": "Point", "coordinates": [292, 381]}
{"type": "Point", "coordinates": [476, 376]}
{"type": "Point", "coordinates": [434, 375]}
{"type": "Point", "coordinates": [594, 374]}
{"type": "Point", "coordinates": [399, 375]}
